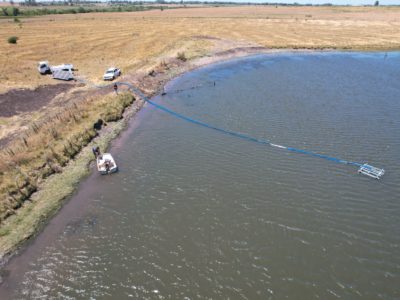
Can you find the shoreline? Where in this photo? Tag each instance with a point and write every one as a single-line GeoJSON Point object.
{"type": "Point", "coordinates": [30, 219]}
{"type": "Point", "coordinates": [44, 205]}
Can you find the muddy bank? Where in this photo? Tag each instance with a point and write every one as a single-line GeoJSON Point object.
{"type": "Point", "coordinates": [34, 214]}
{"type": "Point", "coordinates": [24, 100]}
{"type": "Point", "coordinates": [43, 204]}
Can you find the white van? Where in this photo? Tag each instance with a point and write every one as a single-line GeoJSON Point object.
{"type": "Point", "coordinates": [44, 67]}
{"type": "Point", "coordinates": [63, 72]}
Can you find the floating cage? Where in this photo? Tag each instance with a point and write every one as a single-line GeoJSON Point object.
{"type": "Point", "coordinates": [371, 171]}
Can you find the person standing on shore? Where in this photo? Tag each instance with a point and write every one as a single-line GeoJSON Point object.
{"type": "Point", "coordinates": [96, 151]}
{"type": "Point", "coordinates": [116, 88]}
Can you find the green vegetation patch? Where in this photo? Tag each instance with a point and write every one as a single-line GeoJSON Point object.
{"type": "Point", "coordinates": [50, 145]}
{"type": "Point", "coordinates": [32, 214]}
{"type": "Point", "coordinates": [49, 10]}
{"type": "Point", "coordinates": [12, 39]}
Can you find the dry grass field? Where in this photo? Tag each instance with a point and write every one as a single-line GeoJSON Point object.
{"type": "Point", "coordinates": [93, 42]}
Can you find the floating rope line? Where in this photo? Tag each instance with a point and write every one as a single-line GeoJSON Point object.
{"type": "Point", "coordinates": [364, 168]}
{"type": "Point", "coordinates": [250, 138]}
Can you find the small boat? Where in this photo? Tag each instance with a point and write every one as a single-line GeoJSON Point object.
{"type": "Point", "coordinates": [106, 164]}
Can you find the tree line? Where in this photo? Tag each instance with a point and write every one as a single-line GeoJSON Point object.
{"type": "Point", "coordinates": [13, 11]}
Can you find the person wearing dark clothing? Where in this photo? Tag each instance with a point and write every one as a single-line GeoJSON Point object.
{"type": "Point", "coordinates": [96, 151]}
{"type": "Point", "coordinates": [107, 166]}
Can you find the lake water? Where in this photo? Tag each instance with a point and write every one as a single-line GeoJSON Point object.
{"type": "Point", "coordinates": [195, 214]}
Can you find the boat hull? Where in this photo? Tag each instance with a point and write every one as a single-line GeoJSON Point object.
{"type": "Point", "coordinates": [106, 164]}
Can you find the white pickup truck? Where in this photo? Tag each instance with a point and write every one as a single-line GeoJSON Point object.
{"type": "Point", "coordinates": [63, 72]}
{"type": "Point", "coordinates": [112, 73]}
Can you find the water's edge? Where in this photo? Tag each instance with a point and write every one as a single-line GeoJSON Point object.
{"type": "Point", "coordinates": [149, 202]}
{"type": "Point", "coordinates": [79, 168]}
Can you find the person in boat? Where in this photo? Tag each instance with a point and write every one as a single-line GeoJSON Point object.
{"type": "Point", "coordinates": [107, 165]}
{"type": "Point", "coordinates": [96, 151]}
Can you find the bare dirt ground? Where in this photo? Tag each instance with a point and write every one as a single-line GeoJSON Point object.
{"type": "Point", "coordinates": [20, 107]}
{"type": "Point", "coordinates": [23, 100]}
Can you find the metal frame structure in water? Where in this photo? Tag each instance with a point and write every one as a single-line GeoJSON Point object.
{"type": "Point", "coordinates": [371, 171]}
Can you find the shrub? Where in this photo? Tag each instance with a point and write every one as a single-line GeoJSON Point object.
{"type": "Point", "coordinates": [15, 11]}
{"type": "Point", "coordinates": [181, 56]}
{"type": "Point", "coordinates": [12, 39]}
{"type": "Point", "coordinates": [5, 11]}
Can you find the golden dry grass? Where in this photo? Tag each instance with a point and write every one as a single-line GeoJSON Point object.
{"type": "Point", "coordinates": [50, 144]}
{"type": "Point", "coordinates": [93, 42]}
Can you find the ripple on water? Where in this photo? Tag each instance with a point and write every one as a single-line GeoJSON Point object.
{"type": "Point", "coordinates": [194, 214]}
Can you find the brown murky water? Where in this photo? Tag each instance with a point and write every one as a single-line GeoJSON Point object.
{"type": "Point", "coordinates": [194, 214]}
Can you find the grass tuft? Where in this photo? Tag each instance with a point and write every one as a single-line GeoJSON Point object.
{"type": "Point", "coordinates": [181, 56]}
{"type": "Point", "coordinates": [13, 39]}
